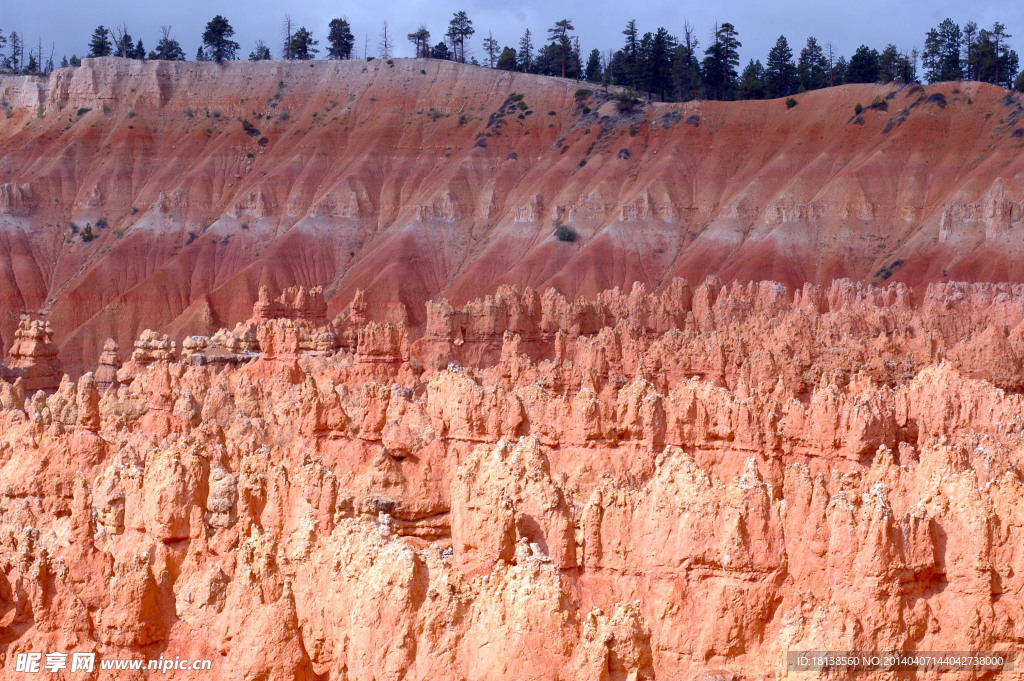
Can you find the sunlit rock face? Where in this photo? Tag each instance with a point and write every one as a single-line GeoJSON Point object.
{"type": "Point", "coordinates": [678, 484]}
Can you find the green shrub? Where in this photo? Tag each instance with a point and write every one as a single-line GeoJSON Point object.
{"type": "Point", "coordinates": [583, 93]}
{"type": "Point", "coordinates": [790, 102]}
{"type": "Point", "coordinates": [858, 109]}
{"type": "Point", "coordinates": [87, 234]}
{"type": "Point", "coordinates": [565, 233]}
{"type": "Point", "coordinates": [626, 99]}
{"type": "Point", "coordinates": [251, 129]}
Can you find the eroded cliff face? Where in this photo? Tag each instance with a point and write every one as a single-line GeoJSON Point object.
{"type": "Point", "coordinates": [677, 485]}
{"type": "Point", "coordinates": [420, 179]}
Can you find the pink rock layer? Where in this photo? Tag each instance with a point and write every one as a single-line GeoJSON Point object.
{"type": "Point", "coordinates": [678, 485]}
{"type": "Point", "coordinates": [421, 179]}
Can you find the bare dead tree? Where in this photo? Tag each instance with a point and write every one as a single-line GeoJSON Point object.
{"type": "Point", "coordinates": [119, 34]}
{"type": "Point", "coordinates": [492, 48]}
{"type": "Point", "coordinates": [385, 45]}
{"type": "Point", "coordinates": [830, 50]}
{"type": "Point", "coordinates": [286, 33]}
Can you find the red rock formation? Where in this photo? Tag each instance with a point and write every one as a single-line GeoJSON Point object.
{"type": "Point", "coordinates": [540, 478]}
{"type": "Point", "coordinates": [149, 348]}
{"type": "Point", "coordinates": [109, 365]}
{"type": "Point", "coordinates": [681, 484]}
{"type": "Point", "coordinates": [744, 190]}
{"type": "Point", "coordinates": [33, 356]}
{"type": "Point", "coordinates": [296, 303]}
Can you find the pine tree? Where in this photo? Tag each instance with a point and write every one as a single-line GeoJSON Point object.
{"type": "Point", "coordinates": [812, 68]}
{"type": "Point", "coordinates": [100, 45]}
{"type": "Point", "coordinates": [17, 51]}
{"type": "Point", "coordinates": [994, 62]}
{"type": "Point", "coordinates": [341, 39]}
{"type": "Point", "coordinates": [303, 46]}
{"type": "Point", "coordinates": [440, 51]}
{"type": "Point", "coordinates": [779, 70]}
{"type": "Point", "coordinates": [460, 28]}
{"type": "Point", "coordinates": [863, 67]}
{"type": "Point", "coordinates": [654, 69]}
{"type": "Point", "coordinates": [721, 60]}
{"type": "Point", "coordinates": [549, 62]}
{"type": "Point", "coordinates": [593, 71]}
{"type": "Point", "coordinates": [969, 46]}
{"type": "Point", "coordinates": [752, 82]}
{"type": "Point", "coordinates": [941, 55]}
{"type": "Point", "coordinates": [629, 73]}
{"type": "Point", "coordinates": [525, 56]}
{"type": "Point", "coordinates": [889, 66]}
{"type": "Point", "coordinates": [999, 38]}
{"type": "Point", "coordinates": [421, 42]}
{"type": "Point", "coordinates": [559, 35]}
{"type": "Point", "coordinates": [507, 60]}
{"type": "Point", "coordinates": [217, 40]}
{"type": "Point", "coordinates": [837, 74]}
{"type": "Point", "coordinates": [261, 52]}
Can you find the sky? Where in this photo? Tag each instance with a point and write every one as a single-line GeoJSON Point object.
{"type": "Point", "coordinates": [66, 25]}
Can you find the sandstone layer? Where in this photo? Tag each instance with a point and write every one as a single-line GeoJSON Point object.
{"type": "Point", "coordinates": [675, 485]}
{"type": "Point", "coordinates": [416, 179]}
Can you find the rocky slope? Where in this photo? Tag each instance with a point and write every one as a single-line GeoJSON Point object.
{"type": "Point", "coordinates": [677, 485]}
{"type": "Point", "coordinates": [416, 179]}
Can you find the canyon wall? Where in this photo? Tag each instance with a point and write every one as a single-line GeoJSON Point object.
{"type": "Point", "coordinates": [678, 485]}
{"type": "Point", "coordinates": [414, 180]}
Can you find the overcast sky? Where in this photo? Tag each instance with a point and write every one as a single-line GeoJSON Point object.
{"type": "Point", "coordinates": [67, 24]}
